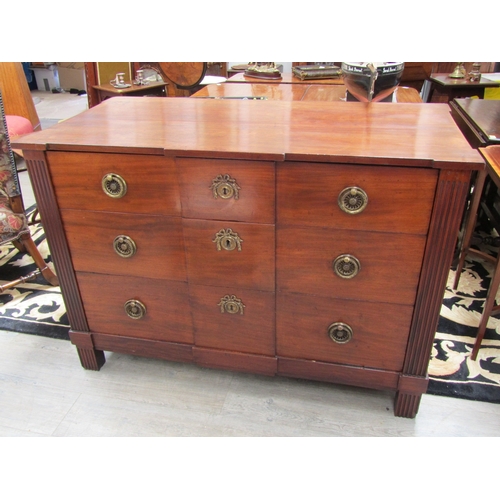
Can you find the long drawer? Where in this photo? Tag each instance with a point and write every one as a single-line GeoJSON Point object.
{"type": "Point", "coordinates": [108, 307]}
{"type": "Point", "coordinates": [388, 199]}
{"type": "Point", "coordinates": [360, 265]}
{"type": "Point", "coordinates": [234, 319]}
{"type": "Point", "coordinates": [227, 189]}
{"type": "Point", "coordinates": [126, 244]}
{"type": "Point", "coordinates": [317, 328]}
{"type": "Point", "coordinates": [140, 184]}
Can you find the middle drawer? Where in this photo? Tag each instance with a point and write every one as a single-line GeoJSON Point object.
{"type": "Point", "coordinates": [360, 265]}
{"type": "Point", "coordinates": [126, 244]}
{"type": "Point", "coordinates": [221, 253]}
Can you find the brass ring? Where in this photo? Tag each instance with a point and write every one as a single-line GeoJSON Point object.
{"type": "Point", "coordinates": [346, 266]}
{"type": "Point", "coordinates": [114, 185]}
{"type": "Point", "coordinates": [340, 333]}
{"type": "Point", "coordinates": [352, 200]}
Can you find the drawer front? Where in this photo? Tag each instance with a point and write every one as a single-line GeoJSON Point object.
{"type": "Point", "coordinates": [221, 253]}
{"type": "Point", "coordinates": [167, 316]}
{"type": "Point", "coordinates": [399, 200]}
{"type": "Point", "coordinates": [227, 189]}
{"type": "Point", "coordinates": [357, 265]}
{"type": "Point", "coordinates": [151, 185]}
{"type": "Point", "coordinates": [233, 319]}
{"type": "Point", "coordinates": [125, 244]}
{"type": "Point", "coordinates": [379, 331]}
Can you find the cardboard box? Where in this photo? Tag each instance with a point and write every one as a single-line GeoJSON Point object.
{"type": "Point", "coordinates": [71, 78]}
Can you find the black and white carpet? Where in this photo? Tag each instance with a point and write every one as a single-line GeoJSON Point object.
{"type": "Point", "coordinates": [38, 308]}
{"type": "Point", "coordinates": [35, 307]}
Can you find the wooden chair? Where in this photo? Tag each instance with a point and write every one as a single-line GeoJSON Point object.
{"type": "Point", "coordinates": [14, 227]}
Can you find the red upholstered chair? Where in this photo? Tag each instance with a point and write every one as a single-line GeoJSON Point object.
{"type": "Point", "coordinates": [13, 223]}
{"type": "Point", "coordinates": [18, 125]}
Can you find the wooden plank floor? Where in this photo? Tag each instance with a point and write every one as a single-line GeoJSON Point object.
{"type": "Point", "coordinates": [44, 391]}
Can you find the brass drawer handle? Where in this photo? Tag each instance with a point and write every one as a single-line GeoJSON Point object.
{"type": "Point", "coordinates": [340, 333]}
{"type": "Point", "coordinates": [135, 309]}
{"type": "Point", "coordinates": [114, 185]}
{"type": "Point", "coordinates": [231, 304]}
{"type": "Point", "coordinates": [346, 266]}
{"type": "Point", "coordinates": [124, 246]}
{"type": "Point", "coordinates": [227, 239]}
{"type": "Point", "coordinates": [225, 187]}
{"type": "Point", "coordinates": [352, 200]}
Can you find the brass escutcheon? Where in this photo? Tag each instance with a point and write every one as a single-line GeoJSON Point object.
{"type": "Point", "coordinates": [231, 304]}
{"type": "Point", "coordinates": [227, 239]}
{"type": "Point", "coordinates": [346, 266]}
{"type": "Point", "coordinates": [135, 309]}
{"type": "Point", "coordinates": [340, 333]}
{"type": "Point", "coordinates": [114, 185]}
{"type": "Point", "coordinates": [352, 200]}
{"type": "Point", "coordinates": [124, 246]}
{"type": "Point", "coordinates": [224, 186]}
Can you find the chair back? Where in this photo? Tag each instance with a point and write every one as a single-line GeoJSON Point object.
{"type": "Point", "coordinates": [9, 180]}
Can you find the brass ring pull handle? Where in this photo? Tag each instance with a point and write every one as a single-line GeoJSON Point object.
{"type": "Point", "coordinates": [124, 246]}
{"type": "Point", "coordinates": [346, 266]}
{"type": "Point", "coordinates": [340, 333]}
{"type": "Point", "coordinates": [114, 185]}
{"type": "Point", "coordinates": [231, 304]}
{"type": "Point", "coordinates": [135, 309]}
{"type": "Point", "coordinates": [352, 200]}
{"type": "Point", "coordinates": [225, 187]}
{"type": "Point", "coordinates": [227, 239]}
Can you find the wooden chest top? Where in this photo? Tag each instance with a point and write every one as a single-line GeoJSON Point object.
{"type": "Point", "coordinates": [376, 133]}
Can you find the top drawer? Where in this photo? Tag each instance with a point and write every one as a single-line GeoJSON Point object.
{"type": "Point", "coordinates": [237, 190]}
{"type": "Point", "coordinates": [389, 199]}
{"type": "Point", "coordinates": [148, 183]}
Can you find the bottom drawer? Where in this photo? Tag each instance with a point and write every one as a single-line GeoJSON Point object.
{"type": "Point", "coordinates": [379, 331]}
{"type": "Point", "coordinates": [167, 316]}
{"type": "Point", "coordinates": [233, 319]}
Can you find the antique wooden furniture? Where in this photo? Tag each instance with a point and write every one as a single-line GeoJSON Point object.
{"type": "Point", "coordinates": [453, 88]}
{"type": "Point", "coordinates": [106, 90]}
{"type": "Point", "coordinates": [14, 226]}
{"type": "Point", "coordinates": [306, 239]}
{"type": "Point", "coordinates": [492, 156]}
{"type": "Point", "coordinates": [286, 92]}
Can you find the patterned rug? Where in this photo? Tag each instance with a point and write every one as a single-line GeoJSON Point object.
{"type": "Point", "coordinates": [38, 308]}
{"type": "Point", "coordinates": [35, 307]}
{"type": "Point", "coordinates": [451, 371]}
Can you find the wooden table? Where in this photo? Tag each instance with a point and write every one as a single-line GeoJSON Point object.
{"type": "Point", "coordinates": [454, 88]}
{"type": "Point", "coordinates": [105, 91]}
{"type": "Point", "coordinates": [287, 92]}
{"type": "Point", "coordinates": [479, 120]}
{"type": "Point", "coordinates": [285, 78]}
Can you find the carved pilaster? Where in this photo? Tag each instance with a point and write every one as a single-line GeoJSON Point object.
{"type": "Point", "coordinates": [443, 231]}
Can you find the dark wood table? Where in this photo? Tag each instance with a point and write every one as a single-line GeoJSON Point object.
{"type": "Point", "coordinates": [107, 90]}
{"type": "Point", "coordinates": [454, 88]}
{"type": "Point", "coordinates": [287, 92]}
{"type": "Point", "coordinates": [478, 119]}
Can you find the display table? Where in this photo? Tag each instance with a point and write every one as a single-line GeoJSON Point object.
{"type": "Point", "coordinates": [304, 239]}
{"type": "Point", "coordinates": [287, 92]}
{"type": "Point", "coordinates": [105, 91]}
{"type": "Point", "coordinates": [454, 88]}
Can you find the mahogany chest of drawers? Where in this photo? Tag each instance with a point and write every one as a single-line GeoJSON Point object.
{"type": "Point", "coordinates": [304, 239]}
